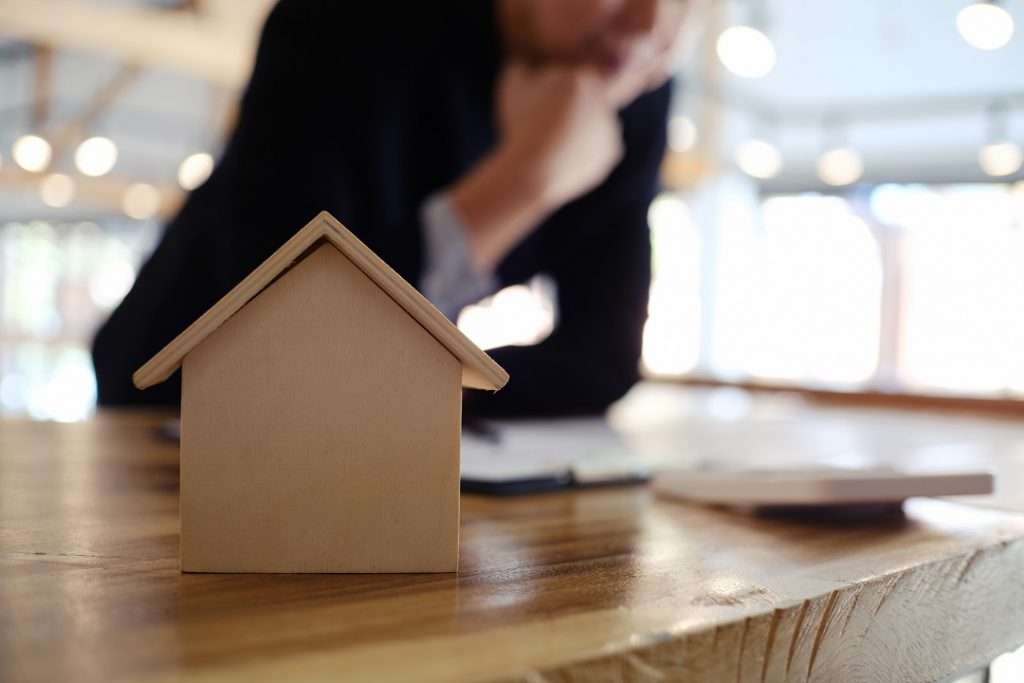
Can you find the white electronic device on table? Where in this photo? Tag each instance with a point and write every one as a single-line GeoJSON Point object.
{"type": "Point", "coordinates": [815, 486]}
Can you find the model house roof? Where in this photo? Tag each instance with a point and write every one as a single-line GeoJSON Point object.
{"type": "Point", "coordinates": [478, 369]}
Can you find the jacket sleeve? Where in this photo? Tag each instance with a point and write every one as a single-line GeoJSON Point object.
{"type": "Point", "coordinates": [601, 263]}
{"type": "Point", "coordinates": [277, 172]}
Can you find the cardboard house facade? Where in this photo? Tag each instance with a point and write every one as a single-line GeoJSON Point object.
{"type": "Point", "coordinates": [320, 417]}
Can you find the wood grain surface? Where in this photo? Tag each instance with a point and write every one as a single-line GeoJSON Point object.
{"type": "Point", "coordinates": [603, 585]}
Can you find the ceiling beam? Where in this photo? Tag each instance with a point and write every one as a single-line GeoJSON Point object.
{"type": "Point", "coordinates": [175, 40]}
{"type": "Point", "coordinates": [71, 132]}
{"type": "Point", "coordinates": [43, 91]}
{"type": "Point", "coordinates": [105, 193]}
{"type": "Point", "coordinates": [913, 108]}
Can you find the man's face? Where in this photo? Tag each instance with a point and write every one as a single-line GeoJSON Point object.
{"type": "Point", "coordinates": [628, 41]}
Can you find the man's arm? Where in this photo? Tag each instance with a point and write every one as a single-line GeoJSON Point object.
{"type": "Point", "coordinates": [601, 265]}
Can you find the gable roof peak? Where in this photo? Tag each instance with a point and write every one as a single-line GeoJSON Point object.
{"type": "Point", "coordinates": [479, 370]}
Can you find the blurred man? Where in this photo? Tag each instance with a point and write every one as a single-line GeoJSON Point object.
{"type": "Point", "coordinates": [471, 144]}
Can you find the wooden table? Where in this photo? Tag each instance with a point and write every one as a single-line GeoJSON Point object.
{"type": "Point", "coordinates": [599, 585]}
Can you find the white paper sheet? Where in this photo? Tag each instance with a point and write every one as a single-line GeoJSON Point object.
{"type": "Point", "coordinates": [588, 449]}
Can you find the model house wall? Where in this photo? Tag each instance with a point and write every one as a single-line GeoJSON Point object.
{"type": "Point", "coordinates": [320, 433]}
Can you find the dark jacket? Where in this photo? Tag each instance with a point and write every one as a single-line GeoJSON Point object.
{"type": "Point", "coordinates": [365, 112]}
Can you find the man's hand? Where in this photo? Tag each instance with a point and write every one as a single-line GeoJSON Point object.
{"type": "Point", "coordinates": [560, 138]}
{"type": "Point", "coordinates": [559, 125]}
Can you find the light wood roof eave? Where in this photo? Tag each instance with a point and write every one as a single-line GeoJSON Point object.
{"type": "Point", "coordinates": [479, 370]}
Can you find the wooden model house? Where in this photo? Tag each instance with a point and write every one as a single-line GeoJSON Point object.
{"type": "Point", "coordinates": [320, 417]}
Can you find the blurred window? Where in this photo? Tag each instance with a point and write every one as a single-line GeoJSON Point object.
{"type": "Point", "coordinates": [800, 280]}
{"type": "Point", "coordinates": [58, 281]}
{"type": "Point", "coordinates": [962, 261]}
{"type": "Point", "coordinates": [672, 331]}
{"type": "Point", "coordinates": [799, 293]}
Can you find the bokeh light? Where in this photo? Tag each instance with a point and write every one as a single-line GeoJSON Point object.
{"type": "Point", "coordinates": [57, 190]}
{"type": "Point", "coordinates": [840, 166]}
{"type": "Point", "coordinates": [141, 201]}
{"type": "Point", "coordinates": [32, 153]}
{"type": "Point", "coordinates": [759, 159]}
{"type": "Point", "coordinates": [985, 25]}
{"type": "Point", "coordinates": [746, 51]}
{"type": "Point", "coordinates": [96, 156]}
{"type": "Point", "coordinates": [194, 170]}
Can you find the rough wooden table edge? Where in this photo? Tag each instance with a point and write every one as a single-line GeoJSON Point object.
{"type": "Point", "coordinates": [802, 624]}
